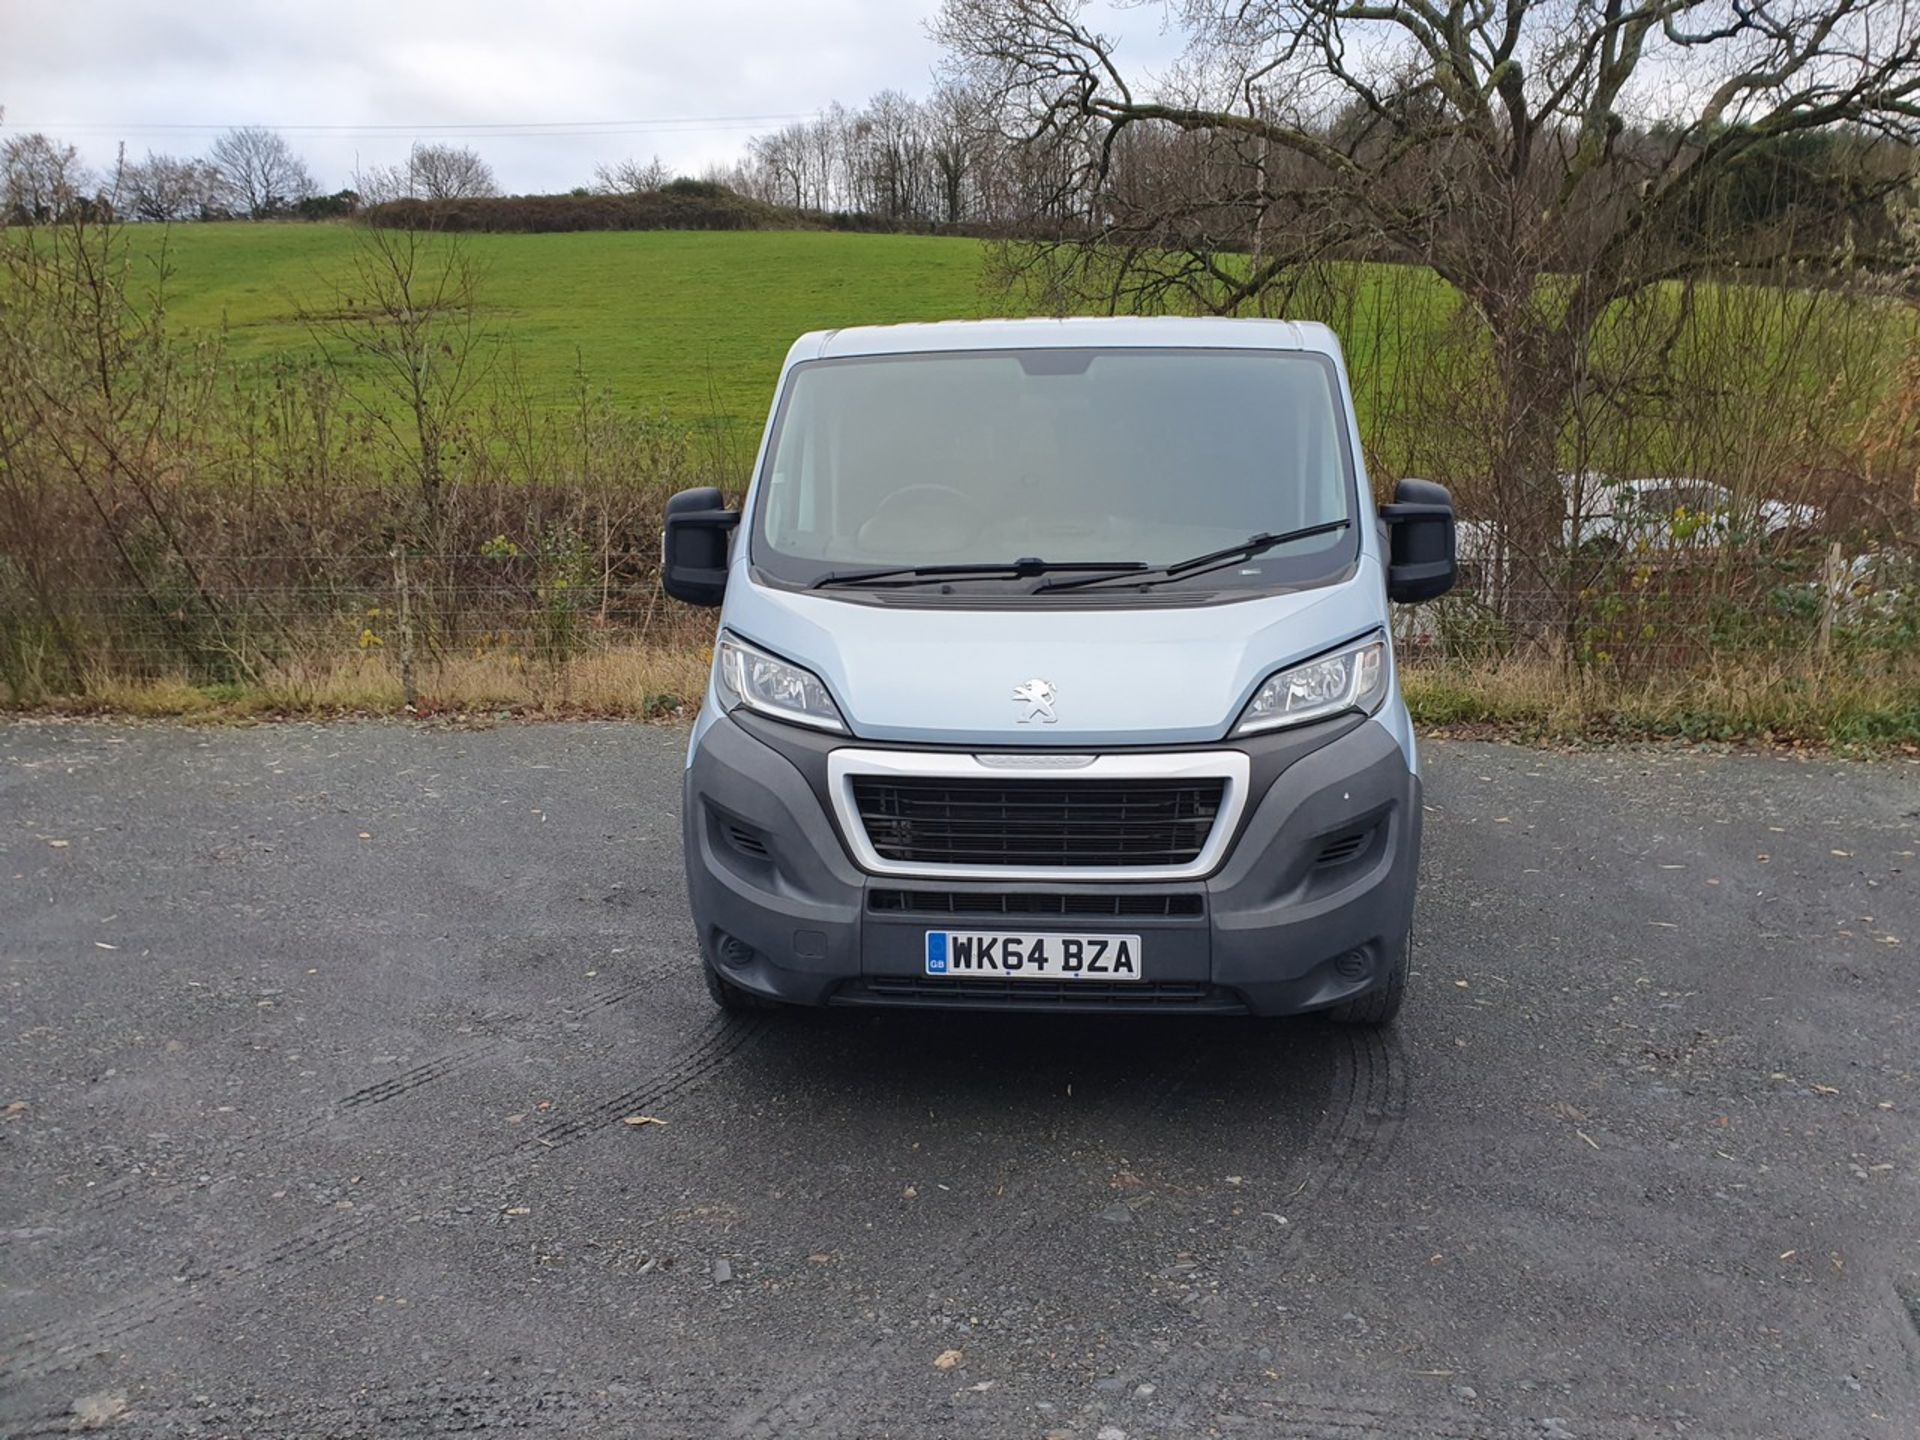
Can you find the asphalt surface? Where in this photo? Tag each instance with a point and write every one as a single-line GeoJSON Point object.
{"type": "Point", "coordinates": [319, 1046]}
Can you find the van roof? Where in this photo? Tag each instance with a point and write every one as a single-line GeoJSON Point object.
{"type": "Point", "coordinates": [1118, 331]}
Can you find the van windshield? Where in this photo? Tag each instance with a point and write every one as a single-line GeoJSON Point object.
{"type": "Point", "coordinates": [1078, 458]}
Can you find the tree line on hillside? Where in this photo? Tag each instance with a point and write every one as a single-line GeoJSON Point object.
{"type": "Point", "coordinates": [248, 173]}
{"type": "Point", "coordinates": [1259, 130]}
{"type": "Point", "coordinates": [967, 157]}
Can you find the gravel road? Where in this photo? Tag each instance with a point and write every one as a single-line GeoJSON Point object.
{"type": "Point", "coordinates": [322, 1049]}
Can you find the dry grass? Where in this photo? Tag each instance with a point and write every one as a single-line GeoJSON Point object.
{"type": "Point", "coordinates": [626, 682]}
{"type": "Point", "coordinates": [1875, 706]}
{"type": "Point", "coordinates": [1872, 708]}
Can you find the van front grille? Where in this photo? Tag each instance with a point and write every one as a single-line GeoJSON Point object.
{"type": "Point", "coordinates": [1150, 903]}
{"type": "Point", "coordinates": [1094, 823]}
{"type": "Point", "coordinates": [912, 990]}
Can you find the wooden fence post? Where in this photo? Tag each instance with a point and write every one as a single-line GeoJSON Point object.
{"type": "Point", "coordinates": [1833, 576]}
{"type": "Point", "coordinates": [399, 557]}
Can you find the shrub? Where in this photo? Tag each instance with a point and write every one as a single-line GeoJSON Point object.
{"type": "Point", "coordinates": [668, 209]}
{"type": "Point", "coordinates": [698, 189]}
{"type": "Point", "coordinates": [684, 204]}
{"type": "Point", "coordinates": [337, 206]}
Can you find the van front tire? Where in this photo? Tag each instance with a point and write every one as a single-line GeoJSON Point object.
{"type": "Point", "coordinates": [730, 997]}
{"type": "Point", "coordinates": [1379, 1007]}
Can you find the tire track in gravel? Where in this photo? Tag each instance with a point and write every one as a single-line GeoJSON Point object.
{"type": "Point", "coordinates": [379, 1411]}
{"type": "Point", "coordinates": [339, 1234]}
{"type": "Point", "coordinates": [1359, 1133]}
{"type": "Point", "coordinates": [1329, 1419]}
{"type": "Point", "coordinates": [814, 1396]}
{"type": "Point", "coordinates": [446, 1066]}
{"type": "Point", "coordinates": [1359, 1136]}
{"type": "Point", "coordinates": [456, 1062]}
{"type": "Point", "coordinates": [1352, 1140]}
{"type": "Point", "coordinates": [1366, 1094]}
{"type": "Point", "coordinates": [440, 1068]}
{"type": "Point", "coordinates": [641, 1410]}
{"type": "Point", "coordinates": [1365, 1108]}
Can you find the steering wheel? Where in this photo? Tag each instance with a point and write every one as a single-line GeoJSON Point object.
{"type": "Point", "coordinates": [925, 519]}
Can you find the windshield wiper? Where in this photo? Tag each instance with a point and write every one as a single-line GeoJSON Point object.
{"type": "Point", "coordinates": [1020, 569]}
{"type": "Point", "coordinates": [1199, 564]}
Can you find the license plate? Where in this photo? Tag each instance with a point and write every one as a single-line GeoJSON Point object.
{"type": "Point", "coordinates": [1016, 955]}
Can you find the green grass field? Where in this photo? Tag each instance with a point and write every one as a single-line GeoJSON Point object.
{"type": "Point", "coordinates": [690, 324]}
{"type": "Point", "coordinates": [687, 324]}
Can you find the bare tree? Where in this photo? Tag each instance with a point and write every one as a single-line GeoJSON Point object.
{"type": "Point", "coordinates": [789, 167]}
{"type": "Point", "coordinates": [95, 402]}
{"type": "Point", "coordinates": [407, 317]}
{"type": "Point", "coordinates": [40, 178]}
{"type": "Point", "coordinates": [896, 158]}
{"type": "Point", "coordinates": [957, 147]}
{"type": "Point", "coordinates": [1546, 160]}
{"type": "Point", "coordinates": [449, 172]}
{"type": "Point", "coordinates": [889, 157]}
{"type": "Point", "coordinates": [431, 172]}
{"type": "Point", "coordinates": [260, 173]}
{"type": "Point", "coordinates": [630, 177]}
{"type": "Point", "coordinates": [171, 187]}
{"type": "Point", "coordinates": [377, 184]}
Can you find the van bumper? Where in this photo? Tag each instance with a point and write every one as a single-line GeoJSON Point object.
{"type": "Point", "coordinates": [1311, 906]}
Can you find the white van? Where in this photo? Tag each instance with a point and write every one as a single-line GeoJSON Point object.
{"type": "Point", "coordinates": [1053, 672]}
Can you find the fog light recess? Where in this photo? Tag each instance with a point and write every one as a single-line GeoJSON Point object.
{"type": "Point", "coordinates": [1352, 965]}
{"type": "Point", "coordinates": [734, 952]}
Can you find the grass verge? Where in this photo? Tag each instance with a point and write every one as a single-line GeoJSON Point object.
{"type": "Point", "coordinates": [623, 683]}
{"type": "Point", "coordinates": [1522, 700]}
{"type": "Point", "coordinates": [1538, 700]}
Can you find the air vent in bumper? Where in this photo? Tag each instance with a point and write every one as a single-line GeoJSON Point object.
{"type": "Point", "coordinates": [909, 991]}
{"type": "Point", "coordinates": [1112, 904]}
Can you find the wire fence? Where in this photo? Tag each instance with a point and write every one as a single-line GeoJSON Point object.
{"type": "Point", "coordinates": [213, 618]}
{"type": "Point", "coordinates": [1656, 613]}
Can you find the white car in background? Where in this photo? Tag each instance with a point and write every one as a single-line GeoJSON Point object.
{"type": "Point", "coordinates": [1657, 513]}
{"type": "Point", "coordinates": [1664, 513]}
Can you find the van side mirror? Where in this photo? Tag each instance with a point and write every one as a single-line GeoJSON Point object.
{"type": "Point", "coordinates": [693, 546]}
{"type": "Point", "coordinates": [1420, 547]}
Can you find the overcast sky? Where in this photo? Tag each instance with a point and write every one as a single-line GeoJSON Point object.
{"type": "Point", "coordinates": [355, 82]}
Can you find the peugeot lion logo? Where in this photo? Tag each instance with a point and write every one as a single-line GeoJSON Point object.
{"type": "Point", "coordinates": [1037, 696]}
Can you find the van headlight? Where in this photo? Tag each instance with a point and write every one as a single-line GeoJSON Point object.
{"type": "Point", "coordinates": [1351, 679]}
{"type": "Point", "coordinates": [745, 675]}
